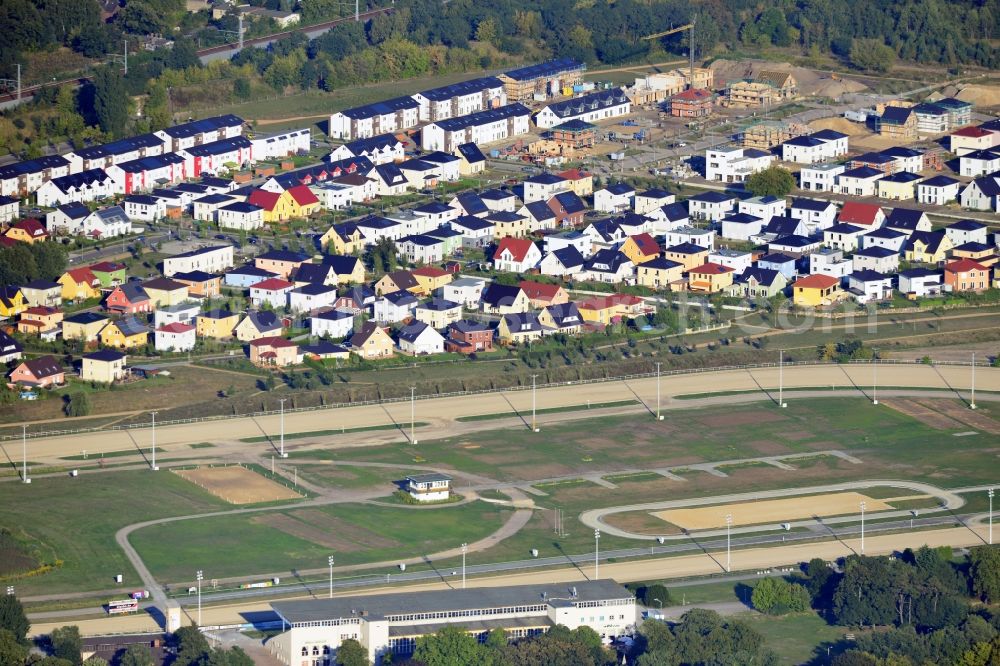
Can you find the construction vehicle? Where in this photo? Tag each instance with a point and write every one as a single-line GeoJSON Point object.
{"type": "Point", "coordinates": [689, 26]}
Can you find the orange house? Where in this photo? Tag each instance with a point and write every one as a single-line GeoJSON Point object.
{"type": "Point", "coordinates": [710, 278]}
{"type": "Point", "coordinates": [28, 230]}
{"type": "Point", "coordinates": [41, 318]}
{"type": "Point", "coordinates": [543, 295]}
{"type": "Point", "coordinates": [640, 248]}
{"type": "Point", "coordinates": [43, 371]}
{"type": "Point", "coordinates": [274, 351]}
{"type": "Point", "coordinates": [966, 275]}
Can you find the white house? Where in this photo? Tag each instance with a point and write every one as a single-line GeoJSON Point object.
{"type": "Point", "coordinates": [220, 156]}
{"type": "Point", "coordinates": [448, 167]}
{"type": "Point", "coordinates": [107, 223]}
{"type": "Point", "coordinates": [860, 182]}
{"type": "Point", "coordinates": [22, 178]}
{"type": "Point", "coordinates": [311, 297]}
{"type": "Point", "coordinates": [433, 487]}
{"type": "Point", "coordinates": [285, 144]}
{"type": "Point", "coordinates": [516, 255]}
{"type": "Point", "coordinates": [821, 177]}
{"type": "Point", "coordinates": [939, 190]}
{"type": "Point", "coordinates": [10, 209]}
{"type": "Point", "coordinates": [651, 201]}
{"type": "Point", "coordinates": [149, 172]}
{"type": "Point", "coordinates": [466, 291]}
{"type": "Point", "coordinates": [175, 337]}
{"type": "Point", "coordinates": [843, 236]}
{"type": "Point", "coordinates": [197, 132]}
{"type": "Point", "coordinates": [541, 187]}
{"type": "Point", "coordinates": [67, 218]}
{"type": "Point", "coordinates": [106, 154]}
{"type": "Point", "coordinates": [609, 266]}
{"type": "Point", "coordinates": [817, 147]}
{"type": "Point", "coordinates": [867, 286]}
{"type": "Point", "coordinates": [389, 180]}
{"type": "Point", "coordinates": [331, 324]}
{"type": "Point", "coordinates": [483, 127]}
{"type": "Point", "coordinates": [738, 260]}
{"type": "Point", "coordinates": [920, 282]}
{"type": "Point", "coordinates": [979, 163]}
{"type": "Point", "coordinates": [381, 149]}
{"type": "Point", "coordinates": [344, 192]}
{"type": "Point", "coordinates": [461, 99]}
{"type": "Point", "coordinates": [184, 312]}
{"type": "Point", "coordinates": [394, 307]}
{"type": "Point", "coordinates": [564, 262]}
{"type": "Point", "coordinates": [668, 217]}
{"type": "Point", "coordinates": [144, 207]}
{"type": "Point", "coordinates": [421, 249]}
{"type": "Point", "coordinates": [982, 194]}
{"type": "Point", "coordinates": [828, 261]}
{"type": "Point", "coordinates": [966, 231]}
{"type": "Point", "coordinates": [476, 232]}
{"type": "Point", "coordinates": [575, 239]}
{"type": "Point", "coordinates": [206, 207]}
{"type": "Point", "coordinates": [385, 117]}
{"type": "Point", "coordinates": [272, 291]}
{"type": "Point", "coordinates": [241, 216]}
{"type": "Point", "coordinates": [615, 198]}
{"type": "Point", "coordinates": [741, 226]}
{"type": "Point", "coordinates": [734, 164]}
{"type": "Point", "coordinates": [711, 205]}
{"type": "Point", "coordinates": [694, 235]}
{"type": "Point", "coordinates": [499, 201]}
{"type": "Point", "coordinates": [418, 338]}
{"type": "Point", "coordinates": [84, 186]}
{"type": "Point", "coordinates": [890, 239]}
{"type": "Point", "coordinates": [600, 105]}
{"type": "Point", "coordinates": [880, 259]}
{"type": "Point", "coordinates": [815, 214]}
{"type": "Point", "coordinates": [764, 207]}
{"type": "Point", "coordinates": [212, 259]}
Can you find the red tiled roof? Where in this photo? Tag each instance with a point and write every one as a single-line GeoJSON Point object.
{"type": "Point", "coordinates": [972, 132]}
{"type": "Point", "coordinates": [106, 267]}
{"type": "Point", "coordinates": [429, 271]}
{"type": "Point", "coordinates": [30, 225]}
{"type": "Point", "coordinates": [264, 199]}
{"type": "Point", "coordinates": [82, 275]}
{"type": "Point", "coordinates": [605, 302]}
{"type": "Point", "coordinates": [816, 281]}
{"type": "Point", "coordinates": [964, 266]}
{"type": "Point", "coordinates": [534, 290]}
{"type": "Point", "coordinates": [646, 244]}
{"type": "Point", "coordinates": [573, 174]}
{"type": "Point", "coordinates": [518, 247]}
{"type": "Point", "coordinates": [176, 327]}
{"type": "Point", "coordinates": [855, 212]}
{"type": "Point", "coordinates": [40, 310]}
{"type": "Point", "coordinates": [693, 95]}
{"type": "Point", "coordinates": [708, 268]}
{"type": "Point", "coordinates": [303, 195]}
{"type": "Point", "coordinates": [273, 284]}
{"type": "Point", "coordinates": [272, 341]}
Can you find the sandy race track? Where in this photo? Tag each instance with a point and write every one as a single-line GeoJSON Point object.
{"type": "Point", "coordinates": [237, 485]}
{"type": "Point", "coordinates": [770, 511]}
{"type": "Point", "coordinates": [440, 413]}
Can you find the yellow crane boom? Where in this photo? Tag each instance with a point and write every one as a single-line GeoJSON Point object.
{"type": "Point", "coordinates": [669, 32]}
{"type": "Point", "coordinates": [689, 26]}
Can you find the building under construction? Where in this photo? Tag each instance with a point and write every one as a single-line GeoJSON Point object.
{"type": "Point", "coordinates": [547, 78]}
{"type": "Point", "coordinates": [750, 95]}
{"type": "Point", "coordinates": [770, 133]}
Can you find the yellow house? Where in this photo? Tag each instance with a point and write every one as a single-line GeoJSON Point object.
{"type": "Point", "coordinates": [277, 206]}
{"type": "Point", "coordinates": [816, 290]}
{"type": "Point", "coordinates": [165, 292]}
{"type": "Point", "coordinates": [349, 270]}
{"type": "Point", "coordinates": [430, 279]}
{"type": "Point", "coordinates": [927, 247]}
{"type": "Point", "coordinates": [579, 182]}
{"type": "Point", "coordinates": [507, 224]}
{"type": "Point", "coordinates": [371, 341]}
{"type": "Point", "coordinates": [608, 309]}
{"type": "Point", "coordinates": [344, 238]}
{"type": "Point", "coordinates": [104, 366]}
{"type": "Point", "coordinates": [126, 333]}
{"type": "Point", "coordinates": [687, 255]}
{"type": "Point", "coordinates": [303, 202]}
{"type": "Point", "coordinates": [900, 186]}
{"type": "Point", "coordinates": [710, 278]}
{"type": "Point", "coordinates": [519, 328]}
{"type": "Point", "coordinates": [79, 284]}
{"type": "Point", "coordinates": [86, 326]}
{"type": "Point", "coordinates": [659, 273]}
{"type": "Point", "coordinates": [28, 230]}
{"type": "Point", "coordinates": [217, 324]}
{"type": "Point", "coordinates": [640, 248]}
{"type": "Point", "coordinates": [12, 301]}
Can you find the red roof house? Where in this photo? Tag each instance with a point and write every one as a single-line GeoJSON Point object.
{"type": "Point", "coordinates": [861, 214]}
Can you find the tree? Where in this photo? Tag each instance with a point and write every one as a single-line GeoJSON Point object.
{"type": "Point", "coordinates": [488, 31]}
{"type": "Point", "coordinates": [137, 655]}
{"type": "Point", "coordinates": [872, 55]}
{"type": "Point", "coordinates": [95, 661]}
{"type": "Point", "coordinates": [183, 54]}
{"type": "Point", "coordinates": [984, 570]}
{"type": "Point", "coordinates": [772, 181]}
{"type": "Point", "coordinates": [110, 100]}
{"type": "Point", "coordinates": [66, 644]}
{"type": "Point", "coordinates": [13, 617]}
{"type": "Point", "coordinates": [352, 653]}
{"type": "Point", "coordinates": [50, 259]}
{"type": "Point", "coordinates": [655, 596]}
{"type": "Point", "coordinates": [241, 88]}
{"type": "Point", "coordinates": [140, 18]}
{"type": "Point", "coordinates": [192, 646]}
{"type": "Point", "coordinates": [78, 405]}
{"type": "Point", "coordinates": [449, 646]}
{"type": "Point", "coordinates": [777, 596]}
{"type": "Point", "coordinates": [11, 651]}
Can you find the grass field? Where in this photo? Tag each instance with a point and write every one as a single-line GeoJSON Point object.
{"type": "Point", "coordinates": [76, 519]}
{"type": "Point", "coordinates": [303, 538]}
{"type": "Point", "coordinates": [347, 476]}
{"type": "Point", "coordinates": [798, 638]}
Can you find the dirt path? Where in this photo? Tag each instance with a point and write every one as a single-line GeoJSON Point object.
{"type": "Point", "coordinates": [275, 121]}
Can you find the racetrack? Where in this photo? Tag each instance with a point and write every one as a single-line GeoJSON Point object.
{"type": "Point", "coordinates": [440, 413]}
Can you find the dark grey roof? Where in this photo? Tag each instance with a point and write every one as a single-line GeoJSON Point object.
{"type": "Point", "coordinates": [545, 69]}
{"type": "Point", "coordinates": [106, 355]}
{"type": "Point", "coordinates": [483, 117]}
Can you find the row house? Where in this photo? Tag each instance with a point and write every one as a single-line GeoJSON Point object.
{"type": "Point", "coordinates": [198, 132]}
{"type": "Point", "coordinates": [148, 172]}
{"type": "Point", "coordinates": [600, 105]}
{"type": "Point", "coordinates": [387, 116]}
{"type": "Point", "coordinates": [461, 99]}
{"type": "Point", "coordinates": [214, 259]}
{"type": "Point", "coordinates": [23, 178]}
{"type": "Point", "coordinates": [482, 127]}
{"type": "Point", "coordinates": [216, 156]}
{"type": "Point", "coordinates": [380, 149]}
{"type": "Point", "coordinates": [116, 152]}
{"type": "Point", "coordinates": [285, 144]}
{"type": "Point", "coordinates": [77, 187]}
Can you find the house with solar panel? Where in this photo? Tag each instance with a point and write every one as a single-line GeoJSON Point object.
{"type": "Point", "coordinates": [387, 116]}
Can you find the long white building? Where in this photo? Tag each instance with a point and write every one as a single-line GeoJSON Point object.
{"type": "Point", "coordinates": [600, 105]}
{"type": "Point", "coordinates": [483, 127]}
{"type": "Point", "coordinates": [77, 187]}
{"type": "Point", "coordinates": [816, 147]}
{"type": "Point", "coordinates": [361, 122]}
{"type": "Point", "coordinates": [461, 99]}
{"type": "Point", "coordinates": [733, 164]}
{"type": "Point", "coordinates": [315, 628]}
{"type": "Point", "coordinates": [266, 147]}
{"type": "Point", "coordinates": [197, 132]}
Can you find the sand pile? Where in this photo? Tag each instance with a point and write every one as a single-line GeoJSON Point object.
{"type": "Point", "coordinates": [809, 82]}
{"type": "Point", "coordinates": [842, 125]}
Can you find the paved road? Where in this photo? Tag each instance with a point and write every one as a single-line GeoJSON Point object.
{"type": "Point", "coordinates": [440, 413]}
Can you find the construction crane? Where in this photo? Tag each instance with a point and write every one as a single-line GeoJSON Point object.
{"type": "Point", "coordinates": [689, 26]}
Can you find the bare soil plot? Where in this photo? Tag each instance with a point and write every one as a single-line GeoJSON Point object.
{"type": "Point", "coordinates": [975, 419]}
{"type": "Point", "coordinates": [922, 413]}
{"type": "Point", "coordinates": [237, 485]}
{"type": "Point", "coordinates": [768, 511]}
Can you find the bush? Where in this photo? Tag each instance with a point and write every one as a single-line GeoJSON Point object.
{"type": "Point", "coordinates": [777, 596]}
{"type": "Point", "coordinates": [654, 596]}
